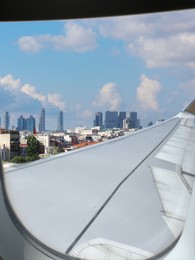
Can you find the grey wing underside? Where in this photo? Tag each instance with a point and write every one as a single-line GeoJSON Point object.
{"type": "Point", "coordinates": [128, 198]}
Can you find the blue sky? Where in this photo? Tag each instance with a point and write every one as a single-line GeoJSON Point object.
{"type": "Point", "coordinates": [142, 63]}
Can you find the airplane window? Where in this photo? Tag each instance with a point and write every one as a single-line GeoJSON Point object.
{"type": "Point", "coordinates": [78, 82]}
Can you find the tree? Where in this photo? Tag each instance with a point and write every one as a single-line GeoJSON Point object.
{"type": "Point", "coordinates": [33, 147]}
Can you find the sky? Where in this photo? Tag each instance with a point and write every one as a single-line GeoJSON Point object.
{"type": "Point", "coordinates": [143, 63]}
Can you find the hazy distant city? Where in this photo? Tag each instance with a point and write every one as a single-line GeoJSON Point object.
{"type": "Point", "coordinates": [14, 142]}
{"type": "Point", "coordinates": [111, 119]}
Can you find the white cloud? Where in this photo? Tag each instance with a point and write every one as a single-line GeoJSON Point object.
{"type": "Point", "coordinates": [77, 37]}
{"type": "Point", "coordinates": [157, 24]}
{"type": "Point", "coordinates": [125, 28]}
{"type": "Point", "coordinates": [55, 99]}
{"type": "Point", "coordinates": [173, 50]}
{"type": "Point", "coordinates": [51, 98]}
{"type": "Point", "coordinates": [108, 97]}
{"type": "Point", "coordinates": [9, 83]}
{"type": "Point", "coordinates": [147, 93]}
{"type": "Point", "coordinates": [29, 44]}
{"type": "Point", "coordinates": [31, 91]}
{"type": "Point", "coordinates": [15, 87]}
{"type": "Point", "coordinates": [162, 39]}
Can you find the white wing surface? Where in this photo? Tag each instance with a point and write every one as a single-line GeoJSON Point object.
{"type": "Point", "coordinates": [128, 198]}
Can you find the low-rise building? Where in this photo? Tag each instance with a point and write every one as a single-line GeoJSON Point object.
{"type": "Point", "coordinates": [44, 139]}
{"type": "Point", "coordinates": [9, 144]}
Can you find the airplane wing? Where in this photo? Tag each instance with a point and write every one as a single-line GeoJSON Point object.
{"type": "Point", "coordinates": [128, 198]}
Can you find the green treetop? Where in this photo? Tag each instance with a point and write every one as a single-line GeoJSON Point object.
{"type": "Point", "coordinates": [32, 146]}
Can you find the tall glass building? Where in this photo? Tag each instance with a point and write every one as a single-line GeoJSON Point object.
{"type": "Point", "coordinates": [60, 122]}
{"type": "Point", "coordinates": [30, 124]}
{"type": "Point", "coordinates": [111, 119]}
{"type": "Point", "coordinates": [121, 117]}
{"type": "Point", "coordinates": [42, 120]}
{"type": "Point", "coordinates": [21, 123]}
{"type": "Point", "coordinates": [98, 121]}
{"type": "Point", "coordinates": [133, 118]}
{"type": "Point", "coordinates": [7, 121]}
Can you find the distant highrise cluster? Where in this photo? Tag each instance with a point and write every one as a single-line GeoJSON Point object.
{"type": "Point", "coordinates": [115, 119]}
{"type": "Point", "coordinates": [26, 124]}
{"type": "Point", "coordinates": [29, 123]}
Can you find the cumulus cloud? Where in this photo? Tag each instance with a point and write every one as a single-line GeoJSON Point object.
{"type": "Point", "coordinates": [15, 87]}
{"type": "Point", "coordinates": [147, 93]}
{"type": "Point", "coordinates": [162, 40]}
{"type": "Point", "coordinates": [108, 97]}
{"type": "Point", "coordinates": [55, 99]}
{"type": "Point", "coordinates": [31, 91]}
{"type": "Point", "coordinates": [29, 44]}
{"type": "Point", "coordinates": [76, 37]}
{"type": "Point", "coordinates": [173, 50]}
{"type": "Point", "coordinates": [125, 27]}
{"type": "Point", "coordinates": [9, 83]}
{"type": "Point", "coordinates": [128, 28]}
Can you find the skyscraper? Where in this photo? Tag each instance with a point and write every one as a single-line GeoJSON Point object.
{"type": "Point", "coordinates": [6, 120]}
{"type": "Point", "coordinates": [98, 120]}
{"type": "Point", "coordinates": [21, 123]}
{"type": "Point", "coordinates": [60, 123]}
{"type": "Point", "coordinates": [111, 119]}
{"type": "Point", "coordinates": [133, 118]}
{"type": "Point", "coordinates": [42, 120]}
{"type": "Point", "coordinates": [30, 124]}
{"type": "Point", "coordinates": [121, 117]}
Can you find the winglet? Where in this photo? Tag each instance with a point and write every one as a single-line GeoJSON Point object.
{"type": "Point", "coordinates": [191, 107]}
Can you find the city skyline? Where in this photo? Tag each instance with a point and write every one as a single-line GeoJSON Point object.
{"type": "Point", "coordinates": [110, 119]}
{"type": "Point", "coordinates": [131, 63]}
